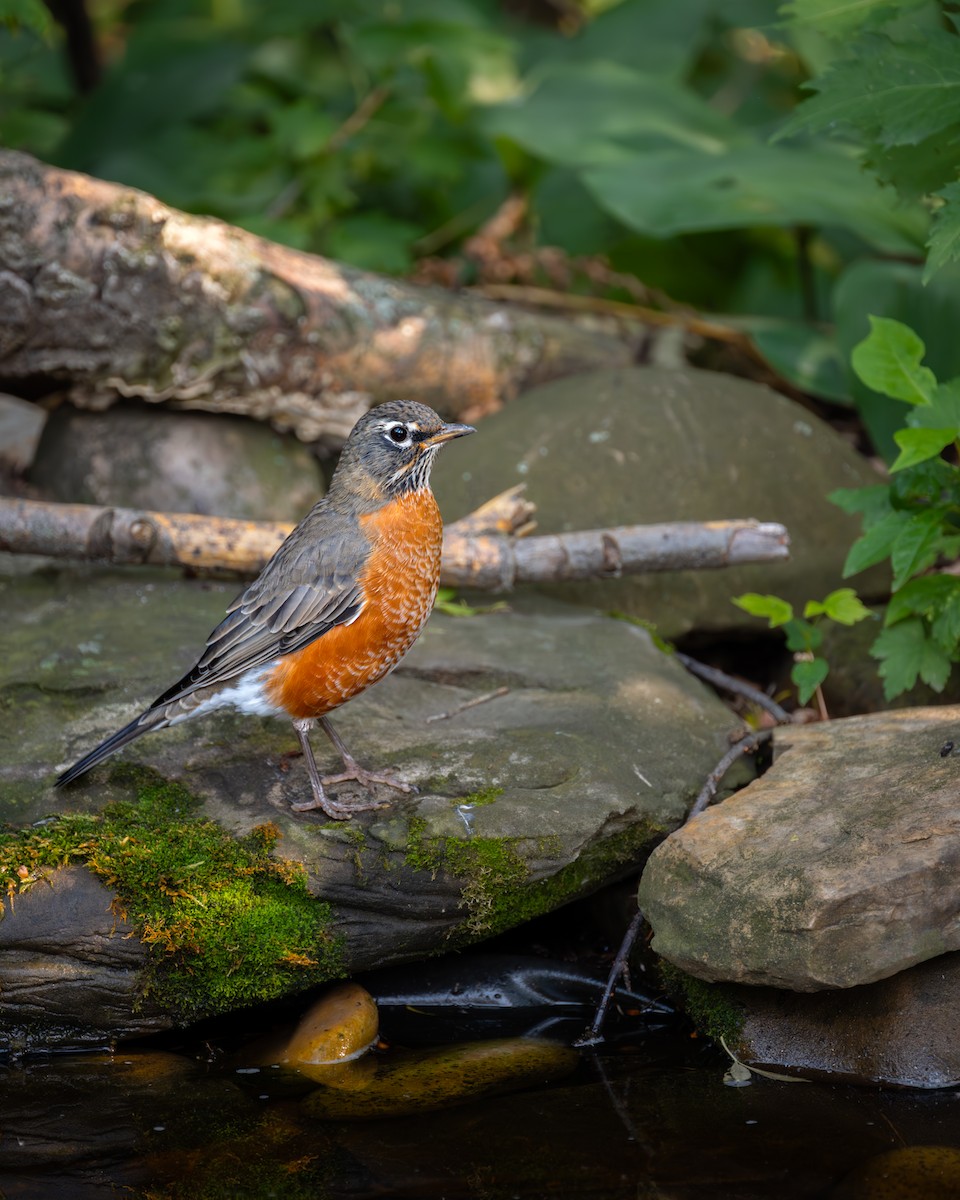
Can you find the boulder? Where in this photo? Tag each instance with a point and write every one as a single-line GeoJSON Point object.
{"type": "Point", "coordinates": [136, 456]}
{"type": "Point", "coordinates": [552, 748]}
{"type": "Point", "coordinates": [837, 867]}
{"type": "Point", "coordinates": [898, 1032]}
{"type": "Point", "coordinates": [651, 444]}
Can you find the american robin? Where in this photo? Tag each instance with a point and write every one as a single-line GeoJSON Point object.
{"type": "Point", "coordinates": [335, 609]}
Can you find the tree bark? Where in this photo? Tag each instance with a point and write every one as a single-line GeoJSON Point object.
{"type": "Point", "coordinates": [481, 551]}
{"type": "Point", "coordinates": [105, 291]}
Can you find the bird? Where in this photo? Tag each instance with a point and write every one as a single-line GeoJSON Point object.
{"type": "Point", "coordinates": [334, 610]}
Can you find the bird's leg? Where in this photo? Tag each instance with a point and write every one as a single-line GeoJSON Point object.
{"type": "Point", "coordinates": [353, 770]}
{"type": "Point", "coordinates": [339, 812]}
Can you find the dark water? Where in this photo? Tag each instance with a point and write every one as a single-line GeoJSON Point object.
{"type": "Point", "coordinates": [647, 1117]}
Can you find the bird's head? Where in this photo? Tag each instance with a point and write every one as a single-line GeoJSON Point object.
{"type": "Point", "coordinates": [391, 449]}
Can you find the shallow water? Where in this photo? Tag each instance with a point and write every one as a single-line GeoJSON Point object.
{"type": "Point", "coordinates": [647, 1117]}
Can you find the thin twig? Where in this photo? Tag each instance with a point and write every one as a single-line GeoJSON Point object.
{"type": "Point", "coordinates": [738, 687]}
{"type": "Point", "coordinates": [592, 1036]}
{"type": "Point", "coordinates": [500, 691]}
{"type": "Point", "coordinates": [709, 789]}
{"type": "Point", "coordinates": [577, 302]}
{"type": "Point", "coordinates": [357, 119]}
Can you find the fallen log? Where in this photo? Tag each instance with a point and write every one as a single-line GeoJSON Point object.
{"type": "Point", "coordinates": [481, 551]}
{"type": "Point", "coordinates": [107, 292]}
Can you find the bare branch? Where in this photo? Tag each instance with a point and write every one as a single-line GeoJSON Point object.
{"type": "Point", "coordinates": [485, 561]}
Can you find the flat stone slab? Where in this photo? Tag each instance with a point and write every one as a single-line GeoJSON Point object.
{"type": "Point", "coordinates": [552, 747]}
{"type": "Point", "coordinates": [837, 867]}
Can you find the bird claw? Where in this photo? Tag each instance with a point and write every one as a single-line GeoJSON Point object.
{"type": "Point", "coordinates": [367, 780]}
{"type": "Point", "coordinates": [334, 810]}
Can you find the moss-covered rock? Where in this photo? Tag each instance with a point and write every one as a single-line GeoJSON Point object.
{"type": "Point", "coordinates": [527, 800]}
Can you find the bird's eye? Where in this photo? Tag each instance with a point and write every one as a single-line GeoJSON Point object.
{"type": "Point", "coordinates": [398, 434]}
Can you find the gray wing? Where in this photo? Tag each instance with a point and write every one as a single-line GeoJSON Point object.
{"type": "Point", "coordinates": [308, 587]}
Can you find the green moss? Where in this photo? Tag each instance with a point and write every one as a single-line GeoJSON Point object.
{"type": "Point", "coordinates": [497, 891]}
{"type": "Point", "coordinates": [486, 795]}
{"type": "Point", "coordinates": [226, 923]}
{"type": "Point", "coordinates": [708, 1005]}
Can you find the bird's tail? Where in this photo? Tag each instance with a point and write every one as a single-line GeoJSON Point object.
{"type": "Point", "coordinates": [138, 726]}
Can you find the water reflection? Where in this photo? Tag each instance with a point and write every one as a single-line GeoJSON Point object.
{"type": "Point", "coordinates": [648, 1117]}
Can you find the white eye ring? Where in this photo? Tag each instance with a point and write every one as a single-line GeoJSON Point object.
{"type": "Point", "coordinates": [393, 430]}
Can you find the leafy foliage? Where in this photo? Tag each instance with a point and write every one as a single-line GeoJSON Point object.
{"type": "Point", "coordinates": [803, 635]}
{"type": "Point", "coordinates": [383, 134]}
{"type": "Point", "coordinates": [913, 521]}
{"type": "Point", "coordinates": [894, 89]}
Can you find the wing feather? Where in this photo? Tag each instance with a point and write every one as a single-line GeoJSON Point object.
{"type": "Point", "coordinates": [308, 587]}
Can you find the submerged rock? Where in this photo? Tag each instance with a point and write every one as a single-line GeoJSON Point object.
{"type": "Point", "coordinates": [410, 1082]}
{"type": "Point", "coordinates": [651, 444]}
{"type": "Point", "coordinates": [529, 796]}
{"type": "Point", "coordinates": [907, 1173]}
{"type": "Point", "coordinates": [838, 867]}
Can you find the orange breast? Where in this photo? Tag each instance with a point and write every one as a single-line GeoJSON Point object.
{"type": "Point", "coordinates": [400, 586]}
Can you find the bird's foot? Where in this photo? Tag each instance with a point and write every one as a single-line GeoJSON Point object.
{"type": "Point", "coordinates": [367, 779]}
{"type": "Point", "coordinates": [335, 810]}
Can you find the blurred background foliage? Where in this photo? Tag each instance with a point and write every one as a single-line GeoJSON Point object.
{"type": "Point", "coordinates": [790, 167]}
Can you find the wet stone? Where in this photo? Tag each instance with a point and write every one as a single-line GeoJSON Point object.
{"type": "Point", "coordinates": [411, 1082]}
{"type": "Point", "coordinates": [341, 1025]}
{"type": "Point", "coordinates": [527, 799]}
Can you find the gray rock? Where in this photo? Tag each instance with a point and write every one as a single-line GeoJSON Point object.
{"type": "Point", "coordinates": [21, 424]}
{"type": "Point", "coordinates": [527, 799]}
{"type": "Point", "coordinates": [141, 457]}
{"type": "Point", "coordinates": [837, 867]}
{"type": "Point", "coordinates": [899, 1032]}
{"type": "Point", "coordinates": [649, 444]}
{"type": "Point", "coordinates": [70, 966]}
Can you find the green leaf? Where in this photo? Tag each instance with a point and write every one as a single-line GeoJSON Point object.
{"type": "Point", "coordinates": [896, 289]}
{"type": "Point", "coordinates": [671, 191]}
{"type": "Point", "coordinates": [875, 545]}
{"type": "Point", "coordinates": [942, 412]}
{"type": "Point", "coordinates": [838, 18]}
{"type": "Point", "coordinates": [892, 93]}
{"type": "Point", "coordinates": [921, 597]}
{"type": "Point", "coordinates": [889, 361]}
{"type": "Point", "coordinates": [807, 675]}
{"type": "Point", "coordinates": [945, 626]}
{"type": "Point", "coordinates": [843, 606]}
{"type": "Point", "coordinates": [25, 14]}
{"type": "Point", "coordinates": [915, 546]}
{"type": "Point", "coordinates": [907, 653]}
{"type": "Point", "coordinates": [944, 244]}
{"type": "Point", "coordinates": [777, 611]}
{"type": "Point", "coordinates": [804, 354]}
{"type": "Point", "coordinates": [802, 636]}
{"type": "Point", "coordinates": [588, 113]}
{"type": "Point", "coordinates": [917, 445]}
{"type": "Point", "coordinates": [873, 501]}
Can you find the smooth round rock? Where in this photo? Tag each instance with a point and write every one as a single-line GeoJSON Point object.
{"type": "Point", "coordinates": [139, 457]}
{"type": "Point", "coordinates": [341, 1026]}
{"type": "Point", "coordinates": [650, 444]}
